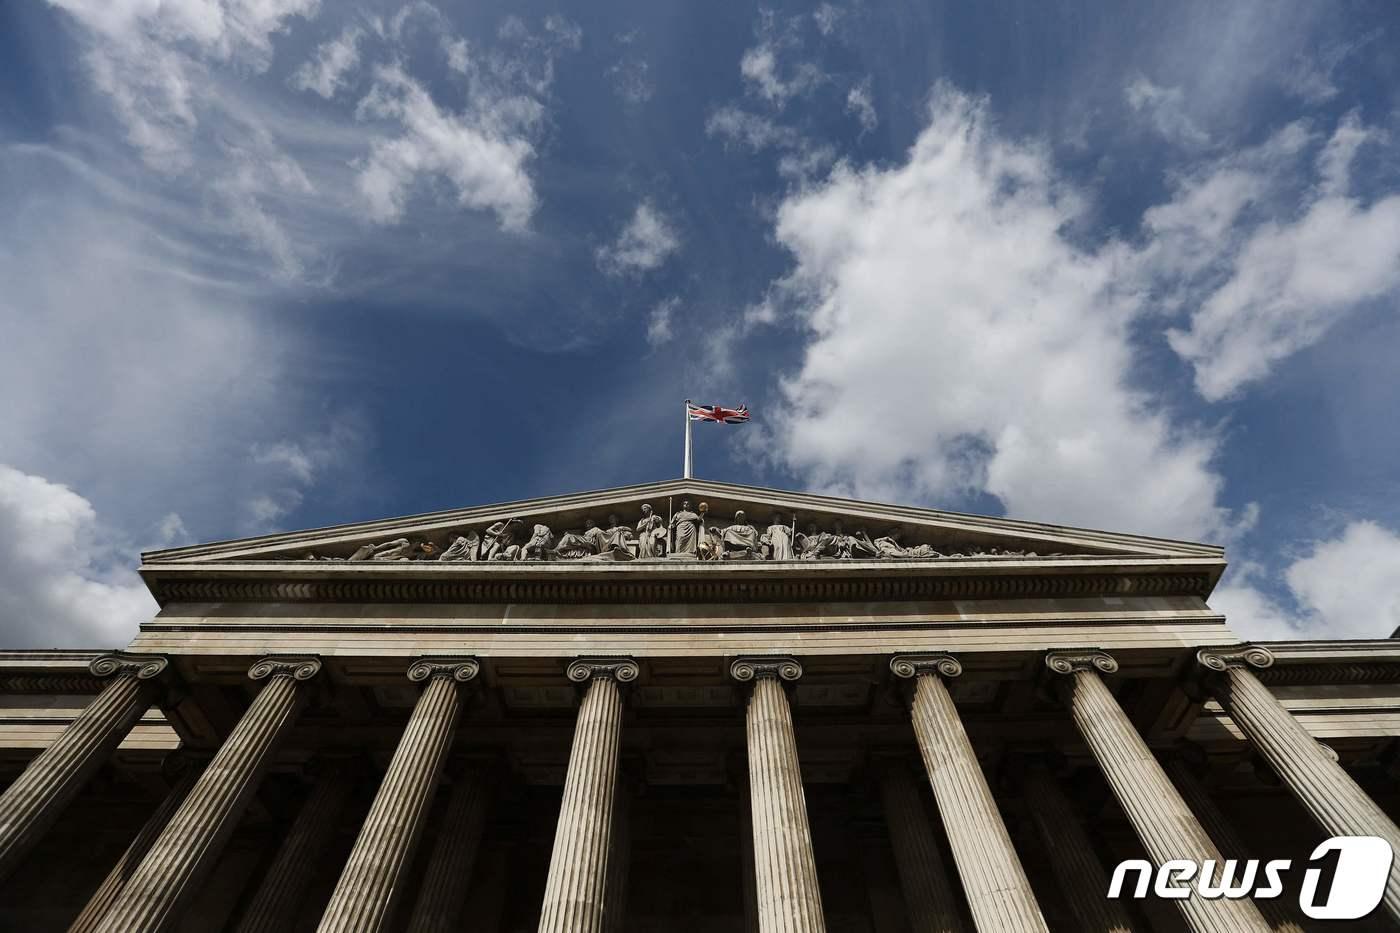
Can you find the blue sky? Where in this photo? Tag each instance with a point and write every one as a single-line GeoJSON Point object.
{"type": "Point", "coordinates": [286, 264]}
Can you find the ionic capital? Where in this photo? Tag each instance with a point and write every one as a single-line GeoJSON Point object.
{"type": "Point", "coordinates": [909, 666]}
{"type": "Point", "coordinates": [755, 668]}
{"type": "Point", "coordinates": [1222, 659]}
{"type": "Point", "coordinates": [1080, 660]}
{"type": "Point", "coordinates": [297, 667]}
{"type": "Point", "coordinates": [622, 670]}
{"type": "Point", "coordinates": [459, 669]}
{"type": "Point", "coordinates": [140, 666]}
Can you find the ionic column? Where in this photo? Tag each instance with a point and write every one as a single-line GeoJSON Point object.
{"type": "Point", "coordinates": [785, 870]}
{"type": "Point", "coordinates": [106, 893]}
{"type": "Point", "coordinates": [373, 878]}
{"type": "Point", "coordinates": [30, 805]}
{"type": "Point", "coordinates": [575, 896]}
{"type": "Point", "coordinates": [998, 893]}
{"type": "Point", "coordinates": [280, 893]}
{"type": "Point", "coordinates": [923, 877]}
{"type": "Point", "coordinates": [1080, 873]}
{"type": "Point", "coordinates": [444, 890]}
{"type": "Point", "coordinates": [1222, 833]}
{"type": "Point", "coordinates": [170, 873]}
{"type": "Point", "coordinates": [1164, 824]}
{"type": "Point", "coordinates": [1336, 802]}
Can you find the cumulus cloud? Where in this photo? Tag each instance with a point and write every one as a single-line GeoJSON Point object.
{"type": "Point", "coordinates": [481, 153]}
{"type": "Point", "coordinates": [1346, 587]}
{"type": "Point", "coordinates": [644, 244]}
{"type": "Point", "coordinates": [943, 296]}
{"type": "Point", "coordinates": [1261, 288]}
{"type": "Point", "coordinates": [334, 60]}
{"type": "Point", "coordinates": [61, 585]}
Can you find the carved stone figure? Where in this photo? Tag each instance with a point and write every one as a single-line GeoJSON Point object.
{"type": "Point", "coordinates": [537, 548]}
{"type": "Point", "coordinates": [685, 532]}
{"type": "Point", "coordinates": [740, 540]}
{"type": "Point", "coordinates": [499, 538]}
{"type": "Point", "coordinates": [398, 549]}
{"type": "Point", "coordinates": [651, 534]}
{"type": "Point", "coordinates": [618, 537]}
{"type": "Point", "coordinates": [576, 545]}
{"type": "Point", "coordinates": [463, 547]}
{"type": "Point", "coordinates": [597, 537]}
{"type": "Point", "coordinates": [860, 547]}
{"type": "Point", "coordinates": [777, 539]}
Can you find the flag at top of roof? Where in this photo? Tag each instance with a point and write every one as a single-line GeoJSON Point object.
{"type": "Point", "coordinates": [718, 414]}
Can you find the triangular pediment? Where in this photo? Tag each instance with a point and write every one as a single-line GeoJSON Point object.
{"type": "Point", "coordinates": [832, 529]}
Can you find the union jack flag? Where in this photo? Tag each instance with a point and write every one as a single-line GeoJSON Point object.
{"type": "Point", "coordinates": [718, 415]}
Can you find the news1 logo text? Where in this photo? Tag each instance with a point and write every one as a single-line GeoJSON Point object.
{"type": "Point", "coordinates": [1343, 879]}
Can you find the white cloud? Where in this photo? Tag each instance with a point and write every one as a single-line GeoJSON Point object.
{"type": "Point", "coordinates": [482, 153]}
{"type": "Point", "coordinates": [59, 583]}
{"type": "Point", "coordinates": [1259, 290]}
{"type": "Point", "coordinates": [827, 16]}
{"type": "Point", "coordinates": [334, 60]}
{"type": "Point", "coordinates": [949, 282]}
{"type": "Point", "coordinates": [286, 469]}
{"type": "Point", "coordinates": [861, 103]}
{"type": "Point", "coordinates": [761, 70]}
{"type": "Point", "coordinates": [1165, 109]}
{"type": "Point", "coordinates": [660, 328]}
{"type": "Point", "coordinates": [631, 78]}
{"type": "Point", "coordinates": [1346, 587]}
{"type": "Point", "coordinates": [1352, 583]}
{"type": "Point", "coordinates": [644, 244]}
{"type": "Point", "coordinates": [152, 58]}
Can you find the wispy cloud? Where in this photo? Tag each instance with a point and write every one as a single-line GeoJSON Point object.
{"type": "Point", "coordinates": [647, 240]}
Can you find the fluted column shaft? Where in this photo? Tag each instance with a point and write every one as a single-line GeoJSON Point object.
{"type": "Point", "coordinates": [1222, 832]}
{"type": "Point", "coordinates": [280, 894]}
{"type": "Point", "coordinates": [1163, 822]}
{"type": "Point", "coordinates": [106, 893]}
{"type": "Point", "coordinates": [170, 873]}
{"type": "Point", "coordinates": [998, 893]}
{"type": "Point", "coordinates": [932, 905]}
{"type": "Point", "coordinates": [444, 890]}
{"type": "Point", "coordinates": [31, 804]}
{"type": "Point", "coordinates": [1080, 873]}
{"type": "Point", "coordinates": [1334, 799]}
{"type": "Point", "coordinates": [785, 868]}
{"type": "Point", "coordinates": [575, 897]}
{"type": "Point", "coordinates": [373, 879]}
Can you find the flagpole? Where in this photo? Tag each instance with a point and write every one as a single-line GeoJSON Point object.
{"type": "Point", "coordinates": [687, 439]}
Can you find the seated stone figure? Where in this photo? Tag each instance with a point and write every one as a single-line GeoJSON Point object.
{"type": "Point", "coordinates": [740, 540]}
{"type": "Point", "coordinates": [538, 547]}
{"type": "Point", "coordinates": [463, 547]}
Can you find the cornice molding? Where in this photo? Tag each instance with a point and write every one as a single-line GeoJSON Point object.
{"type": "Point", "coordinates": [817, 584]}
{"type": "Point", "coordinates": [1081, 660]}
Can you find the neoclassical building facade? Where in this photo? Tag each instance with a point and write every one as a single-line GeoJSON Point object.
{"type": "Point", "coordinates": [683, 706]}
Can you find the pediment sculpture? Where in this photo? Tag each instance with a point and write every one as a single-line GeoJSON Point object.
{"type": "Point", "coordinates": [689, 534]}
